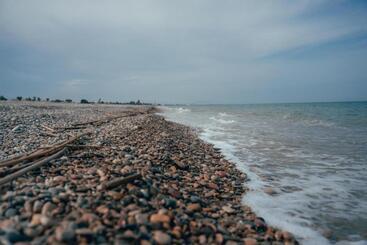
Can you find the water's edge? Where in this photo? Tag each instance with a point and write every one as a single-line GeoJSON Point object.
{"type": "Point", "coordinates": [253, 197]}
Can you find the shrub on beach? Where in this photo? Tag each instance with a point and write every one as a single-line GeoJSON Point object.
{"type": "Point", "coordinates": [84, 101]}
{"type": "Point", "coordinates": [19, 98]}
{"type": "Point", "coordinates": [3, 98]}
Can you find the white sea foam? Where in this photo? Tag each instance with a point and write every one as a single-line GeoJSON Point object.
{"type": "Point", "coordinates": [182, 110]}
{"type": "Point", "coordinates": [221, 120]}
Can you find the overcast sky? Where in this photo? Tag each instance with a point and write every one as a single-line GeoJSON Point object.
{"type": "Point", "coordinates": [192, 51]}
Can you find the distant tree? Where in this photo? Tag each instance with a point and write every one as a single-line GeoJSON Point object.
{"type": "Point", "coordinates": [84, 101]}
{"type": "Point", "coordinates": [28, 99]}
{"type": "Point", "coordinates": [34, 98]}
{"type": "Point", "coordinates": [38, 99]}
{"type": "Point", "coordinates": [19, 98]}
{"type": "Point", "coordinates": [47, 99]}
{"type": "Point", "coordinates": [3, 98]}
{"type": "Point", "coordinates": [132, 102]}
{"type": "Point", "coordinates": [138, 102]}
{"type": "Point", "coordinates": [57, 101]}
{"type": "Point", "coordinates": [68, 100]}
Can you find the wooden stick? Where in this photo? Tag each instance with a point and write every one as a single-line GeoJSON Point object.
{"type": "Point", "coordinates": [85, 146]}
{"type": "Point", "coordinates": [49, 134]}
{"type": "Point", "coordinates": [48, 128]}
{"type": "Point", "coordinates": [14, 169]}
{"type": "Point", "coordinates": [71, 128]}
{"type": "Point", "coordinates": [121, 181]}
{"type": "Point", "coordinates": [34, 166]}
{"type": "Point", "coordinates": [39, 153]}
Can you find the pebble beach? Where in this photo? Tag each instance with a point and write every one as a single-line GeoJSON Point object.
{"type": "Point", "coordinates": [128, 176]}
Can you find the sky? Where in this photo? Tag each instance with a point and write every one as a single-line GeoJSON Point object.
{"type": "Point", "coordinates": [192, 51]}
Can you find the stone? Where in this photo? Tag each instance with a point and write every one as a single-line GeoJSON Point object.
{"type": "Point", "coordinates": [287, 236]}
{"type": "Point", "coordinates": [159, 218]}
{"type": "Point", "coordinates": [10, 212]}
{"type": "Point", "coordinates": [219, 238]}
{"type": "Point", "coordinates": [37, 206]}
{"type": "Point", "coordinates": [162, 238]}
{"type": "Point", "coordinates": [250, 241]}
{"type": "Point", "coordinates": [47, 208]}
{"type": "Point", "coordinates": [14, 236]}
{"type": "Point", "coordinates": [141, 218]}
{"type": "Point", "coordinates": [194, 207]}
{"type": "Point", "coordinates": [59, 179]}
{"type": "Point", "coordinates": [270, 191]}
{"type": "Point", "coordinates": [228, 209]}
{"type": "Point", "coordinates": [65, 232]}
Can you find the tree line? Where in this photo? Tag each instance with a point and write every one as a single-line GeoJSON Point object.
{"type": "Point", "coordinates": [82, 101]}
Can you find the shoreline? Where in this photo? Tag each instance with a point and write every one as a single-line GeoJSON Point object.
{"type": "Point", "coordinates": [187, 193]}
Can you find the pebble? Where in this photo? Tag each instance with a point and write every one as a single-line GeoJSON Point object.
{"type": "Point", "coordinates": [159, 218]}
{"type": "Point", "coordinates": [194, 207]}
{"type": "Point", "coordinates": [161, 238]}
{"type": "Point", "coordinates": [186, 193]}
{"type": "Point", "coordinates": [10, 212]}
{"type": "Point", "coordinates": [65, 232]}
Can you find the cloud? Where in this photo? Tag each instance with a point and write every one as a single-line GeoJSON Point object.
{"type": "Point", "coordinates": [148, 48]}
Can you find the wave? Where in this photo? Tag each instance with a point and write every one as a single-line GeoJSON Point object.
{"type": "Point", "coordinates": [182, 110]}
{"type": "Point", "coordinates": [220, 120]}
{"type": "Point", "coordinates": [306, 121]}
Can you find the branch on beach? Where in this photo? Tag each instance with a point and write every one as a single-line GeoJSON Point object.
{"type": "Point", "coordinates": [39, 153]}
{"type": "Point", "coordinates": [33, 166]}
{"type": "Point", "coordinates": [120, 181]}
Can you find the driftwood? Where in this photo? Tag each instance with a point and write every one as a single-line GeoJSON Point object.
{"type": "Point", "coordinates": [85, 146]}
{"type": "Point", "coordinates": [71, 128]}
{"type": "Point", "coordinates": [121, 181]}
{"type": "Point", "coordinates": [48, 128]}
{"type": "Point", "coordinates": [48, 134]}
{"type": "Point", "coordinates": [33, 166]}
{"type": "Point", "coordinates": [39, 153]}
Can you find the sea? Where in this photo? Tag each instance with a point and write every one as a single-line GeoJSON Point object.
{"type": "Point", "coordinates": [306, 162]}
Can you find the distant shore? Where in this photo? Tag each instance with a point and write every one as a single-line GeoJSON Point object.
{"type": "Point", "coordinates": [133, 178]}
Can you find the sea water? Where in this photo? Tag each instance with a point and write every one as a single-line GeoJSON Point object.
{"type": "Point", "coordinates": [306, 163]}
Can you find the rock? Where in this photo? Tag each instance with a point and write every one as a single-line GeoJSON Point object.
{"type": "Point", "coordinates": [14, 236]}
{"type": "Point", "coordinates": [193, 207]}
{"type": "Point", "coordinates": [18, 129]}
{"type": "Point", "coordinates": [170, 203]}
{"type": "Point", "coordinates": [177, 231]}
{"type": "Point", "coordinates": [260, 225]}
{"type": "Point", "coordinates": [159, 218]}
{"type": "Point", "coordinates": [270, 191]}
{"type": "Point", "coordinates": [213, 186]}
{"type": "Point", "coordinates": [141, 218]}
{"type": "Point", "coordinates": [161, 238]}
{"type": "Point", "coordinates": [102, 209]}
{"type": "Point", "coordinates": [59, 179]}
{"type": "Point", "coordinates": [47, 209]}
{"type": "Point", "coordinates": [10, 212]}
{"type": "Point", "coordinates": [202, 239]}
{"type": "Point", "coordinates": [37, 206]}
{"type": "Point", "coordinates": [65, 232]}
{"type": "Point", "coordinates": [228, 209]}
{"type": "Point", "coordinates": [278, 235]}
{"type": "Point", "coordinates": [219, 238]}
{"type": "Point", "coordinates": [84, 232]}
{"type": "Point", "coordinates": [36, 219]}
{"type": "Point", "coordinates": [287, 236]}
{"type": "Point", "coordinates": [250, 241]}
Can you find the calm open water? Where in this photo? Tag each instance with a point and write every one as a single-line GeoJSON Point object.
{"type": "Point", "coordinates": [312, 156]}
